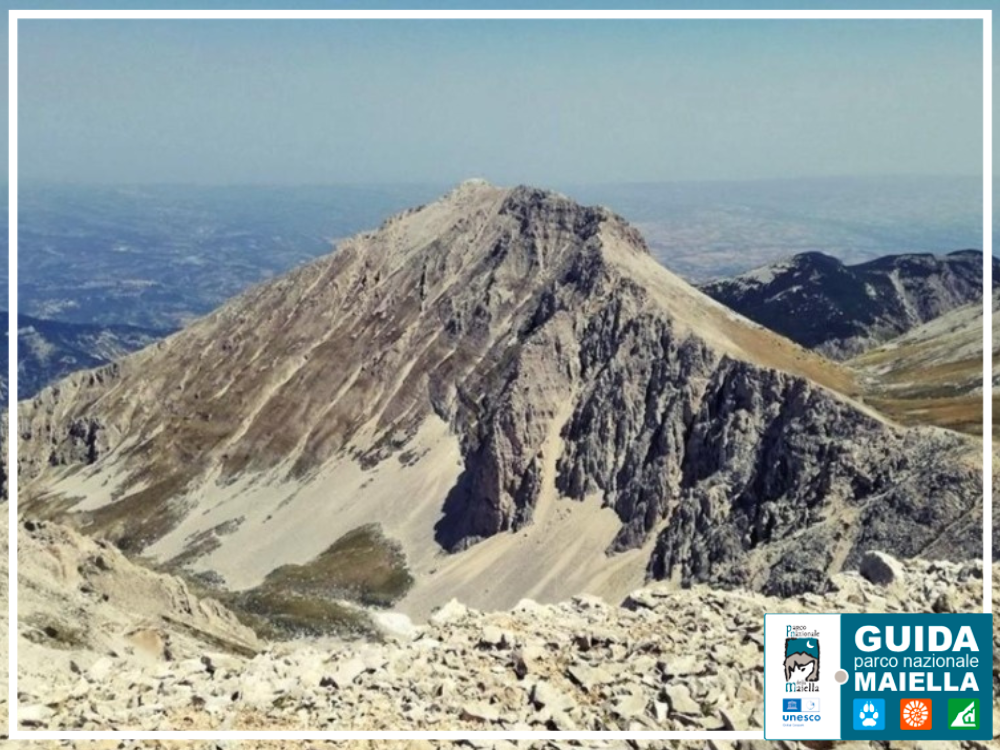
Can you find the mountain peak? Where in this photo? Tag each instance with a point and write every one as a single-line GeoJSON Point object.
{"type": "Point", "coordinates": [500, 360]}
{"type": "Point", "coordinates": [474, 183]}
{"type": "Point", "coordinates": [473, 186]}
{"type": "Point", "coordinates": [477, 223]}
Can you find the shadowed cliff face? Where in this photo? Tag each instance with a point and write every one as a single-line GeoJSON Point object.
{"type": "Point", "coordinates": [565, 362]}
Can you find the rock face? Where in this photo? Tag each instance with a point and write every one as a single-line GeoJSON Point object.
{"type": "Point", "coordinates": [840, 310]}
{"type": "Point", "coordinates": [566, 368]}
{"type": "Point", "coordinates": [668, 659]}
{"type": "Point", "coordinates": [83, 596]}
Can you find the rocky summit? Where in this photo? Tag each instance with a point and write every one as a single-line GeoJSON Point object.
{"type": "Point", "coordinates": [663, 659]}
{"type": "Point", "coordinates": [523, 403]}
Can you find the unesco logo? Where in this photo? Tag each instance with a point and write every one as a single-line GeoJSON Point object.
{"type": "Point", "coordinates": [800, 709]}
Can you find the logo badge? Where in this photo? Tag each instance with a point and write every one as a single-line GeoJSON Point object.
{"type": "Point", "coordinates": [963, 713]}
{"type": "Point", "coordinates": [791, 705]}
{"type": "Point", "coordinates": [915, 713]}
{"type": "Point", "coordinates": [869, 713]}
{"type": "Point", "coordinates": [801, 660]}
{"type": "Point", "coordinates": [810, 705]}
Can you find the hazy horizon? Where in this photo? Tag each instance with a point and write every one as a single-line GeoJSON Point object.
{"type": "Point", "coordinates": [208, 243]}
{"type": "Point", "coordinates": [539, 102]}
{"type": "Point", "coordinates": [29, 183]}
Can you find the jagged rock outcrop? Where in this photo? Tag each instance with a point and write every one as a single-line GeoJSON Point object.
{"type": "Point", "coordinates": [502, 360]}
{"type": "Point", "coordinates": [84, 598]}
{"type": "Point", "coordinates": [842, 310]}
{"type": "Point", "coordinates": [775, 465]}
{"type": "Point", "coordinates": [742, 457]}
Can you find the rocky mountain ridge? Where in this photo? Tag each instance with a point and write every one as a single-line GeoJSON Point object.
{"type": "Point", "coordinates": [843, 310]}
{"type": "Point", "coordinates": [50, 349]}
{"type": "Point", "coordinates": [508, 377]}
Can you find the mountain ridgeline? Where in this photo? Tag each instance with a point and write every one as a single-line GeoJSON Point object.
{"type": "Point", "coordinates": [843, 310]}
{"type": "Point", "coordinates": [522, 397]}
{"type": "Point", "coordinates": [51, 349]}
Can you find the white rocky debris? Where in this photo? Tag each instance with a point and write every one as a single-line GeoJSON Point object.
{"type": "Point", "coordinates": [667, 658]}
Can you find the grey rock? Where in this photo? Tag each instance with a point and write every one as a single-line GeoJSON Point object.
{"type": "Point", "coordinates": [34, 715]}
{"type": "Point", "coordinates": [346, 672]}
{"type": "Point", "coordinates": [881, 568]}
{"type": "Point", "coordinates": [480, 711]}
{"type": "Point", "coordinates": [732, 720]}
{"type": "Point", "coordinates": [945, 603]}
{"type": "Point", "coordinates": [589, 677]}
{"type": "Point", "coordinates": [451, 612]}
{"type": "Point", "coordinates": [214, 661]}
{"type": "Point", "coordinates": [631, 705]}
{"type": "Point", "coordinates": [684, 665]}
{"type": "Point", "coordinates": [395, 625]}
{"type": "Point", "coordinates": [494, 637]}
{"type": "Point", "coordinates": [546, 695]}
{"type": "Point", "coordinates": [100, 669]}
{"type": "Point", "coordinates": [528, 660]}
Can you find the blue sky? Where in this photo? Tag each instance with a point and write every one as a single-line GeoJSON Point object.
{"type": "Point", "coordinates": [542, 102]}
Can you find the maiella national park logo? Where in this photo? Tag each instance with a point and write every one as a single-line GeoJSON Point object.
{"type": "Point", "coordinates": [801, 663]}
{"type": "Point", "coordinates": [873, 677]}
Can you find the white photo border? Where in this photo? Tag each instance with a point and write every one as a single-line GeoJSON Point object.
{"type": "Point", "coordinates": [15, 15]}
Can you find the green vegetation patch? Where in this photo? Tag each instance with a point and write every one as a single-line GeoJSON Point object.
{"type": "Point", "coordinates": [321, 597]}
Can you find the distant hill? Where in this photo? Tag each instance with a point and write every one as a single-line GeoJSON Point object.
{"type": "Point", "coordinates": [843, 310]}
{"type": "Point", "coordinates": [51, 349]}
{"type": "Point", "coordinates": [932, 373]}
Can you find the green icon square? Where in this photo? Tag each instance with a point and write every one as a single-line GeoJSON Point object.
{"type": "Point", "coordinates": [963, 713]}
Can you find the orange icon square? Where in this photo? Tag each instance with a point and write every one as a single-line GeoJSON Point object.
{"type": "Point", "coordinates": [915, 713]}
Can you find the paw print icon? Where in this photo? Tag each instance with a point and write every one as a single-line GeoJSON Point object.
{"type": "Point", "coordinates": [869, 713]}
